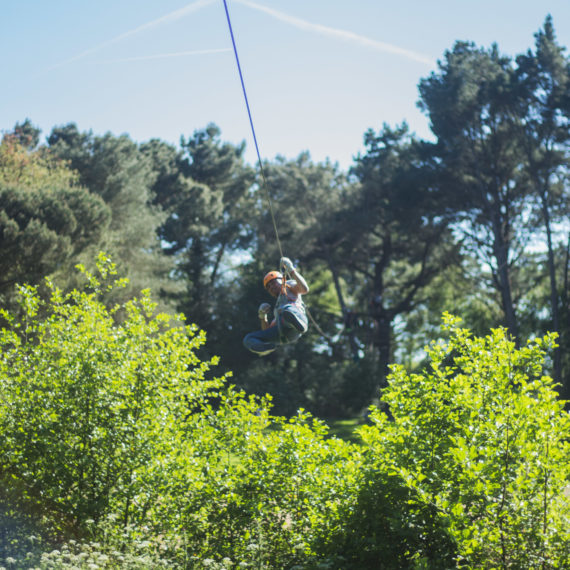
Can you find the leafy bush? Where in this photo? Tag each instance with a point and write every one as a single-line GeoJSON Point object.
{"type": "Point", "coordinates": [110, 424]}
{"type": "Point", "coordinates": [480, 441]}
{"type": "Point", "coordinates": [118, 451]}
{"type": "Point", "coordinates": [284, 494]}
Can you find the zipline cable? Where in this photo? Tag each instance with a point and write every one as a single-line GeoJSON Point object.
{"type": "Point", "coordinates": [265, 185]}
{"type": "Point", "coordinates": [253, 131]}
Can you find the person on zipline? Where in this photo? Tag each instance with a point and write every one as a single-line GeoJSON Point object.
{"type": "Point", "coordinates": [290, 320]}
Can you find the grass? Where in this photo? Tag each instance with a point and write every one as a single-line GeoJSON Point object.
{"type": "Point", "coordinates": [345, 428]}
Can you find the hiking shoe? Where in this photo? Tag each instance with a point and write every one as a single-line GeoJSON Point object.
{"type": "Point", "coordinates": [294, 322]}
{"type": "Point", "coordinates": [265, 352]}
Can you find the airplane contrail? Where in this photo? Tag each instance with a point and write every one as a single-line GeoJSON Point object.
{"type": "Point", "coordinates": [339, 34]}
{"type": "Point", "coordinates": [163, 55]}
{"type": "Point", "coordinates": [292, 20]}
{"type": "Point", "coordinates": [170, 17]}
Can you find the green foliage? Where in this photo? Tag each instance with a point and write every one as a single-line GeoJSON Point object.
{"type": "Point", "coordinates": [279, 496]}
{"type": "Point", "coordinates": [480, 440]}
{"type": "Point", "coordinates": [105, 410]}
{"type": "Point", "coordinates": [117, 450]}
{"type": "Point", "coordinates": [129, 547]}
{"type": "Point", "coordinates": [46, 218]}
{"type": "Point", "coordinates": [116, 170]}
{"type": "Point", "coordinates": [89, 406]}
{"type": "Point", "coordinates": [110, 429]}
{"type": "Point", "coordinates": [205, 192]}
{"type": "Point", "coordinates": [393, 265]}
{"type": "Point", "coordinates": [544, 77]}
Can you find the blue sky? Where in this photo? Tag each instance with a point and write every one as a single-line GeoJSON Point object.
{"type": "Point", "coordinates": [318, 73]}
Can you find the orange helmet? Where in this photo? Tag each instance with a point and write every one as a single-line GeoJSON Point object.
{"type": "Point", "coordinates": [271, 276]}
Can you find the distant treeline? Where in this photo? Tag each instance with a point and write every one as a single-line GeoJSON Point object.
{"type": "Point", "coordinates": [474, 223]}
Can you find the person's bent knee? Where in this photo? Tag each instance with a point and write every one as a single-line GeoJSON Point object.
{"type": "Point", "coordinates": [247, 342]}
{"type": "Point", "coordinates": [255, 345]}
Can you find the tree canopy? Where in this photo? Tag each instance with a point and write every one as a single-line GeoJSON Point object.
{"type": "Point", "coordinates": [137, 431]}
{"type": "Point", "coordinates": [473, 221]}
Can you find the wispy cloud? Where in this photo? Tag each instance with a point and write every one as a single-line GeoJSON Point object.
{"type": "Point", "coordinates": [339, 34]}
{"type": "Point", "coordinates": [163, 55]}
{"type": "Point", "coordinates": [167, 18]}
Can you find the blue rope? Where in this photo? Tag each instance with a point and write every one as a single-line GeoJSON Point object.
{"type": "Point", "coordinates": [253, 129]}
{"type": "Point", "coordinates": [259, 159]}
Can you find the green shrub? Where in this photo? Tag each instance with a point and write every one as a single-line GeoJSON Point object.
{"type": "Point", "coordinates": [287, 490]}
{"type": "Point", "coordinates": [480, 441]}
{"type": "Point", "coordinates": [96, 407]}
{"type": "Point", "coordinates": [109, 425]}
{"type": "Point", "coordinates": [118, 451]}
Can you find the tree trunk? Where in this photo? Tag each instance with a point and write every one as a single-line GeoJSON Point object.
{"type": "Point", "coordinates": [382, 342]}
{"type": "Point", "coordinates": [346, 313]}
{"type": "Point", "coordinates": [382, 318]}
{"type": "Point", "coordinates": [502, 280]}
{"type": "Point", "coordinates": [557, 362]}
{"type": "Point", "coordinates": [565, 376]}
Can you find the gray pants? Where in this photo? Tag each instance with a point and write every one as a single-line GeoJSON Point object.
{"type": "Point", "coordinates": [291, 324]}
